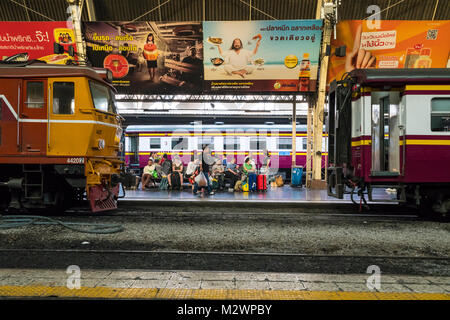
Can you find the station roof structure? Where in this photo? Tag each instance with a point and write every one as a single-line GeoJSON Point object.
{"type": "Point", "coordinates": [213, 10]}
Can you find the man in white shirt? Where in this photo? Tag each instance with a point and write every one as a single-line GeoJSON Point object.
{"type": "Point", "coordinates": [237, 59]}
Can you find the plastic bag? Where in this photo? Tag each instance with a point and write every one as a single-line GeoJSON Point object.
{"type": "Point", "coordinates": [201, 180]}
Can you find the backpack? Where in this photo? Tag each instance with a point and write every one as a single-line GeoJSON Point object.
{"type": "Point", "coordinates": [164, 184]}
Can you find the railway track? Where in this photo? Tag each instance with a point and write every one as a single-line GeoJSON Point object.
{"type": "Point", "coordinates": [221, 261]}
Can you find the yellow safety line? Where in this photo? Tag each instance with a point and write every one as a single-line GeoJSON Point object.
{"type": "Point", "coordinates": [209, 294]}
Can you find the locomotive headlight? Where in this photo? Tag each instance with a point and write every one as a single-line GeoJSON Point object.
{"type": "Point", "coordinates": [101, 144]}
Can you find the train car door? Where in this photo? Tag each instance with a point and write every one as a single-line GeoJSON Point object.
{"type": "Point", "coordinates": [9, 125]}
{"type": "Point", "coordinates": [385, 133]}
{"type": "Point", "coordinates": [33, 117]}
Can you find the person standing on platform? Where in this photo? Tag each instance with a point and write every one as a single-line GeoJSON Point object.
{"type": "Point", "coordinates": [206, 160]}
{"type": "Point", "coordinates": [265, 163]}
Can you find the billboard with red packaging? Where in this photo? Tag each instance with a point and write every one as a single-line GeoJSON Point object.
{"type": "Point", "coordinates": [22, 41]}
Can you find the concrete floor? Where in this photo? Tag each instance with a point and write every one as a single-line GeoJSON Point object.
{"type": "Point", "coordinates": [216, 285]}
{"type": "Point", "coordinates": [278, 194]}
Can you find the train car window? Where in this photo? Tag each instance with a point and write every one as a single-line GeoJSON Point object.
{"type": "Point", "coordinates": [155, 143]}
{"type": "Point", "coordinates": [205, 141]}
{"type": "Point", "coordinates": [284, 143]}
{"type": "Point", "coordinates": [180, 143]}
{"type": "Point", "coordinates": [232, 144]}
{"type": "Point", "coordinates": [257, 144]}
{"type": "Point", "coordinates": [102, 97]}
{"type": "Point", "coordinates": [35, 95]}
{"type": "Point", "coordinates": [440, 114]}
{"type": "Point", "coordinates": [63, 98]}
{"type": "Point", "coordinates": [304, 143]}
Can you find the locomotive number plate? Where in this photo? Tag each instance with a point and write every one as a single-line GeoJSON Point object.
{"type": "Point", "coordinates": [75, 160]}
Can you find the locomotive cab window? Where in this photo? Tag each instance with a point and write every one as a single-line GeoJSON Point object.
{"type": "Point", "coordinates": [35, 95]}
{"type": "Point", "coordinates": [63, 98]}
{"type": "Point", "coordinates": [102, 97]}
{"type": "Point", "coordinates": [440, 114]}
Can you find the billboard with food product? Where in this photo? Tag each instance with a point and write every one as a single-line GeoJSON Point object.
{"type": "Point", "coordinates": [390, 44]}
{"type": "Point", "coordinates": [249, 56]}
{"type": "Point", "coordinates": [23, 41]}
{"type": "Point", "coordinates": [148, 57]}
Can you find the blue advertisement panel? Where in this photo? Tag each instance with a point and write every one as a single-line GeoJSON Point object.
{"type": "Point", "coordinates": [249, 56]}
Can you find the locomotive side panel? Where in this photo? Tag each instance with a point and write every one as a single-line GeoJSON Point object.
{"type": "Point", "coordinates": [76, 128]}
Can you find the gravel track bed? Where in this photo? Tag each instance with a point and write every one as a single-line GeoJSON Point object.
{"type": "Point", "coordinates": [305, 235]}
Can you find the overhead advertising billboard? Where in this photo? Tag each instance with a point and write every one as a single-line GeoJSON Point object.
{"type": "Point", "coordinates": [148, 57]}
{"type": "Point", "coordinates": [261, 56]}
{"type": "Point", "coordinates": [22, 41]}
{"type": "Point", "coordinates": [390, 44]}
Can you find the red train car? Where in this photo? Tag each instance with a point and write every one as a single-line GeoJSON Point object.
{"type": "Point", "coordinates": [390, 128]}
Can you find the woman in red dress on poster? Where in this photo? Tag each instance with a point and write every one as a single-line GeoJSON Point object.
{"type": "Point", "coordinates": [150, 54]}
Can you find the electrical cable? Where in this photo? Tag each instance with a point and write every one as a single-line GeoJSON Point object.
{"type": "Point", "coordinates": [17, 221]}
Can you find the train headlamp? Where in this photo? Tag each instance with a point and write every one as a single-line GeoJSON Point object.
{"type": "Point", "coordinates": [109, 75]}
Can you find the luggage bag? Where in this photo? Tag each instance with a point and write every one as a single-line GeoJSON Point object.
{"type": "Point", "coordinates": [261, 183]}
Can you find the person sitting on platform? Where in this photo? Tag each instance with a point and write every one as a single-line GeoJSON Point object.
{"type": "Point", "coordinates": [149, 174]}
{"type": "Point", "coordinates": [166, 165]}
{"type": "Point", "coordinates": [232, 173]}
{"type": "Point", "coordinates": [191, 168]}
{"type": "Point", "coordinates": [194, 173]}
{"type": "Point", "coordinates": [176, 178]}
{"type": "Point", "coordinates": [218, 174]}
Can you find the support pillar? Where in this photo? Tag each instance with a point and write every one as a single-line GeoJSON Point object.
{"type": "Point", "coordinates": [317, 182]}
{"type": "Point", "coordinates": [294, 132]}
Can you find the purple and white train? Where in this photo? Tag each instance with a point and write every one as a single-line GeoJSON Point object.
{"type": "Point", "coordinates": [225, 141]}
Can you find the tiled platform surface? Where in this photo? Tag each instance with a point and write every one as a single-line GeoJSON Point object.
{"type": "Point", "coordinates": [216, 285]}
{"type": "Point", "coordinates": [280, 194]}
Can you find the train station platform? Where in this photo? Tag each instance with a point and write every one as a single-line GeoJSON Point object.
{"type": "Point", "coordinates": [285, 194]}
{"type": "Point", "coordinates": [206, 285]}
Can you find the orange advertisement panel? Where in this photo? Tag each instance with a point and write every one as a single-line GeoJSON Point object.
{"type": "Point", "coordinates": [390, 44]}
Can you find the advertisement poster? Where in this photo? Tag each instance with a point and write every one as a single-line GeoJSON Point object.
{"type": "Point", "coordinates": [272, 56]}
{"type": "Point", "coordinates": [148, 57]}
{"type": "Point", "coordinates": [22, 41]}
{"type": "Point", "coordinates": [391, 44]}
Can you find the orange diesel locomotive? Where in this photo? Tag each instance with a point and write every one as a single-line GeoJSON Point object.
{"type": "Point", "coordinates": [59, 137]}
